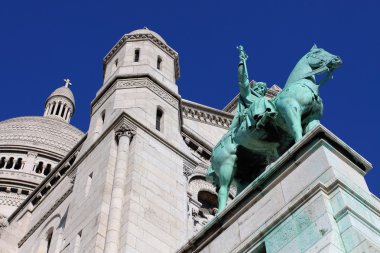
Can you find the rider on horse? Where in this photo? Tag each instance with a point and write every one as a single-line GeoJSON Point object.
{"type": "Point", "coordinates": [250, 97]}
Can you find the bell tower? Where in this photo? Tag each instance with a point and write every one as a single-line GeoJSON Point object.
{"type": "Point", "coordinates": [134, 154]}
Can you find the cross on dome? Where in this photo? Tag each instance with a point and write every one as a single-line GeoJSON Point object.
{"type": "Point", "coordinates": [67, 83]}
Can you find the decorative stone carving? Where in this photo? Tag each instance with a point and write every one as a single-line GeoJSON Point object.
{"type": "Point", "coordinates": [135, 83]}
{"type": "Point", "coordinates": [124, 130]}
{"type": "Point", "coordinates": [206, 114]}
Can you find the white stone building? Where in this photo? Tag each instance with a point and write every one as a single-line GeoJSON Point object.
{"type": "Point", "coordinates": [136, 181]}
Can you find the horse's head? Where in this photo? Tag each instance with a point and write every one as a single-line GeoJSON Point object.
{"type": "Point", "coordinates": [319, 58]}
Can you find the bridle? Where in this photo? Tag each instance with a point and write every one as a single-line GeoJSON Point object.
{"type": "Point", "coordinates": [322, 69]}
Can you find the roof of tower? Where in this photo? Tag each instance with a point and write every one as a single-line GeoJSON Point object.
{"type": "Point", "coordinates": [145, 30]}
{"type": "Point", "coordinates": [63, 92]}
{"type": "Point", "coordinates": [144, 34]}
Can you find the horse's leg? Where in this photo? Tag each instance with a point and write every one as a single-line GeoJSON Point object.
{"type": "Point", "coordinates": [312, 123]}
{"type": "Point", "coordinates": [227, 171]}
{"type": "Point", "coordinates": [291, 112]}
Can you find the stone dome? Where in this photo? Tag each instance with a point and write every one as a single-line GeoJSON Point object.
{"type": "Point", "coordinates": [63, 92]}
{"type": "Point", "coordinates": [147, 31]}
{"type": "Point", "coordinates": [49, 135]}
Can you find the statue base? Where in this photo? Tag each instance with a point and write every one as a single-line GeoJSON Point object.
{"type": "Point", "coordinates": [312, 199]}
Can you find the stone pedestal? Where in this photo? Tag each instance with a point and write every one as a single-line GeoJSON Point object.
{"type": "Point", "coordinates": [313, 199]}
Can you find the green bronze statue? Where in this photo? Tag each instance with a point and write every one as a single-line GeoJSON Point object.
{"type": "Point", "coordinates": [262, 129]}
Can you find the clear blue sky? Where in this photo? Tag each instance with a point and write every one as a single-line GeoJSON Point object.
{"type": "Point", "coordinates": [43, 42]}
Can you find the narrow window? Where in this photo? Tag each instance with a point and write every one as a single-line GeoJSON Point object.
{"type": "Point", "coordinates": [88, 184]}
{"type": "Point", "coordinates": [77, 242]}
{"type": "Point", "coordinates": [48, 239]}
{"type": "Point", "coordinates": [59, 107]}
{"type": "Point", "coordinates": [18, 164]}
{"type": "Point", "coordinates": [137, 55]}
{"type": "Point", "coordinates": [52, 109]}
{"type": "Point", "coordinates": [159, 61]}
{"type": "Point", "coordinates": [39, 168]}
{"type": "Point", "coordinates": [116, 62]}
{"type": "Point", "coordinates": [47, 169]}
{"type": "Point", "coordinates": [159, 119]}
{"type": "Point", "coordinates": [10, 163]}
{"type": "Point", "coordinates": [2, 162]}
{"type": "Point", "coordinates": [103, 116]}
{"type": "Point", "coordinates": [63, 111]}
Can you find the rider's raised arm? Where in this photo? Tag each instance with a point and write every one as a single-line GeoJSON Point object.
{"type": "Point", "coordinates": [243, 79]}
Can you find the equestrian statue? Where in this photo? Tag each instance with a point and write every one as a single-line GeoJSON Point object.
{"type": "Point", "coordinates": [264, 129]}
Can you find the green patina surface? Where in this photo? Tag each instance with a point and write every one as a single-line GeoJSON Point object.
{"type": "Point", "coordinates": [264, 129]}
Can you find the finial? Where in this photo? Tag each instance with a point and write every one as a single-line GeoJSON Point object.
{"type": "Point", "coordinates": [67, 83]}
{"type": "Point", "coordinates": [146, 28]}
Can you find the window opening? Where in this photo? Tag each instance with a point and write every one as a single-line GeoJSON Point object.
{"type": "Point", "coordinates": [10, 163]}
{"type": "Point", "coordinates": [159, 61]}
{"type": "Point", "coordinates": [59, 107]}
{"type": "Point", "coordinates": [63, 111]}
{"type": "Point", "coordinates": [18, 164]}
{"type": "Point", "coordinates": [137, 55]}
{"type": "Point", "coordinates": [159, 119]}
{"type": "Point", "coordinates": [47, 169]}
{"type": "Point", "coordinates": [2, 162]}
{"type": "Point", "coordinates": [39, 168]}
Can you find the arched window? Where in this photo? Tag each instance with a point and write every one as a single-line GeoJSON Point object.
{"type": "Point", "coordinates": [63, 111]}
{"type": "Point", "coordinates": [159, 61]}
{"type": "Point", "coordinates": [208, 199]}
{"type": "Point", "coordinates": [159, 119]}
{"type": "Point", "coordinates": [52, 109]}
{"type": "Point", "coordinates": [59, 107]}
{"type": "Point", "coordinates": [18, 164]}
{"type": "Point", "coordinates": [39, 168]}
{"type": "Point", "coordinates": [47, 169]}
{"type": "Point", "coordinates": [45, 242]}
{"type": "Point", "coordinates": [10, 163]}
{"type": "Point", "coordinates": [2, 162]}
{"type": "Point", "coordinates": [137, 55]}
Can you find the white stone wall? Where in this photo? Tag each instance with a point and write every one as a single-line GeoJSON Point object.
{"type": "Point", "coordinates": [211, 134]}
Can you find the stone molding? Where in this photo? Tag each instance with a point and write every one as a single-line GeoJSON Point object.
{"type": "Point", "coordinates": [11, 199]}
{"type": "Point", "coordinates": [130, 83]}
{"type": "Point", "coordinates": [46, 215]}
{"type": "Point", "coordinates": [205, 114]}
{"type": "Point", "coordinates": [139, 37]}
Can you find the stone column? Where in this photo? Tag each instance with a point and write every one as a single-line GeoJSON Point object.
{"type": "Point", "coordinates": [30, 160]}
{"type": "Point", "coordinates": [123, 135]}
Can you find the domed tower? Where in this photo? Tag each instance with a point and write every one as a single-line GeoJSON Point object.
{"type": "Point", "coordinates": [60, 104]}
{"type": "Point", "coordinates": [30, 148]}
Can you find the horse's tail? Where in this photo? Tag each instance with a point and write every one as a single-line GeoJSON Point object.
{"type": "Point", "coordinates": [212, 177]}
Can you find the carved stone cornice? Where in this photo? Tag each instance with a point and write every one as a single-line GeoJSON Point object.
{"type": "Point", "coordinates": [142, 82]}
{"type": "Point", "coordinates": [205, 114]}
{"type": "Point", "coordinates": [139, 37]}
